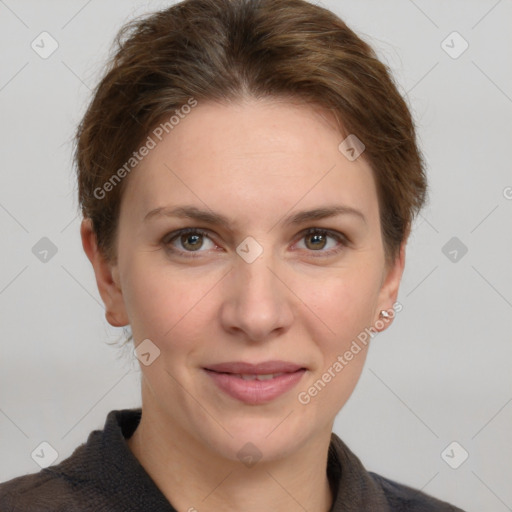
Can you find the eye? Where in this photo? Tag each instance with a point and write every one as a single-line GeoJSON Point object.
{"type": "Point", "coordinates": [323, 241]}
{"type": "Point", "coordinates": [188, 240]}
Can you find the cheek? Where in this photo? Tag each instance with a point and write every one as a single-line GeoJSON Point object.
{"type": "Point", "coordinates": [343, 312]}
{"type": "Point", "coordinates": [161, 303]}
{"type": "Point", "coordinates": [343, 303]}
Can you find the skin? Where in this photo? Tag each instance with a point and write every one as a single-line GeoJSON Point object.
{"type": "Point", "coordinates": [256, 162]}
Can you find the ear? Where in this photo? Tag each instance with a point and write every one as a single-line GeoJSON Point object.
{"type": "Point", "coordinates": [389, 290]}
{"type": "Point", "coordinates": [107, 277]}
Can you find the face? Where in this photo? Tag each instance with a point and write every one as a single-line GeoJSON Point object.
{"type": "Point", "coordinates": [266, 246]}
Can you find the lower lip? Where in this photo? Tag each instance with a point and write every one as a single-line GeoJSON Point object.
{"type": "Point", "coordinates": [255, 392]}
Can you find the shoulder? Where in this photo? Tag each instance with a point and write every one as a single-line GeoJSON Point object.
{"type": "Point", "coordinates": [101, 475]}
{"type": "Point", "coordinates": [402, 498]}
{"type": "Point", "coordinates": [59, 488]}
{"type": "Point", "coordinates": [43, 491]}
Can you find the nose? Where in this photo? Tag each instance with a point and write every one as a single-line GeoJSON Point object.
{"type": "Point", "coordinates": [257, 304]}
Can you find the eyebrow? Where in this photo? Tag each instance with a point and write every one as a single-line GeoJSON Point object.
{"type": "Point", "coordinates": [213, 218]}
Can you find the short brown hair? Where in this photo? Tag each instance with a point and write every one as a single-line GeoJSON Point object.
{"type": "Point", "coordinates": [224, 50]}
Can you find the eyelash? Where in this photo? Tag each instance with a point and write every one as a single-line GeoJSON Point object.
{"type": "Point", "coordinates": [339, 237]}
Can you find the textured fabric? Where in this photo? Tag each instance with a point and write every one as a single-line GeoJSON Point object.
{"type": "Point", "coordinates": [102, 475]}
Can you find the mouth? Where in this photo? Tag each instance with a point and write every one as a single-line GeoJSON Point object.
{"type": "Point", "coordinates": [255, 384]}
{"type": "Point", "coordinates": [248, 376]}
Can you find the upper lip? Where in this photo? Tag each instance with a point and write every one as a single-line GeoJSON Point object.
{"type": "Point", "coordinates": [263, 368]}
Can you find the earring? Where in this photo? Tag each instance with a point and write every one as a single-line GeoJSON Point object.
{"type": "Point", "coordinates": [384, 314]}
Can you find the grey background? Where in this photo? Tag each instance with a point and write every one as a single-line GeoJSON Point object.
{"type": "Point", "coordinates": [440, 374]}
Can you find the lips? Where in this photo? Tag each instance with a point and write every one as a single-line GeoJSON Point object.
{"type": "Point", "coordinates": [255, 384]}
{"type": "Point", "coordinates": [264, 368]}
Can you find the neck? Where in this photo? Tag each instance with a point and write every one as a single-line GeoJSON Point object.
{"type": "Point", "coordinates": [193, 477]}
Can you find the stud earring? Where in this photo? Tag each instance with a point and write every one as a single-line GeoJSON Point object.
{"type": "Point", "coordinates": [384, 314]}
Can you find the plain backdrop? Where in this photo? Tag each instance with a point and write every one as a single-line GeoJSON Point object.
{"type": "Point", "coordinates": [440, 374]}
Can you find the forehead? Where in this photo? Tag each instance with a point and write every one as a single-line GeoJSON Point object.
{"type": "Point", "coordinates": [251, 156]}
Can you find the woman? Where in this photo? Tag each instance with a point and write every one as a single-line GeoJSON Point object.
{"type": "Point", "coordinates": [248, 175]}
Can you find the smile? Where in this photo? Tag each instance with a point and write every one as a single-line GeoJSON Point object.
{"type": "Point", "coordinates": [255, 388]}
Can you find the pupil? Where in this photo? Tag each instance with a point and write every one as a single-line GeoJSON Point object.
{"type": "Point", "coordinates": [316, 238]}
{"type": "Point", "coordinates": [192, 241]}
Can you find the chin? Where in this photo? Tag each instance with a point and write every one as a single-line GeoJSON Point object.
{"type": "Point", "coordinates": [267, 438]}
